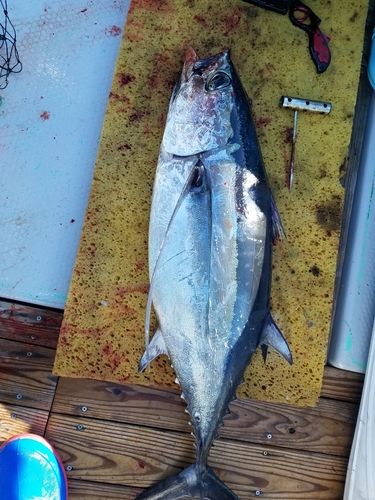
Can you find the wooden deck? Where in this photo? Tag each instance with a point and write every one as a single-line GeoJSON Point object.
{"type": "Point", "coordinates": [117, 439]}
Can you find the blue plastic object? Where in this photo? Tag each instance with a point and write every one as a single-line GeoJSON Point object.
{"type": "Point", "coordinates": [31, 469]}
{"type": "Point", "coordinates": [371, 63]}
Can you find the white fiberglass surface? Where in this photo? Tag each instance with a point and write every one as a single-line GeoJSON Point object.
{"type": "Point", "coordinates": [51, 117]}
{"type": "Point", "coordinates": [355, 309]}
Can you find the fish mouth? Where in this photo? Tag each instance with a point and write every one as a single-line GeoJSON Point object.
{"type": "Point", "coordinates": [194, 65]}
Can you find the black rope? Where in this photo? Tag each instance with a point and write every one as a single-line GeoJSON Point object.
{"type": "Point", "coordinates": [9, 60]}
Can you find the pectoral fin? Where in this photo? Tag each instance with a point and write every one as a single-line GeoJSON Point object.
{"type": "Point", "coordinates": [155, 347]}
{"type": "Point", "coordinates": [194, 177]}
{"type": "Point", "coordinates": [271, 336]}
{"type": "Point", "coordinates": [278, 232]}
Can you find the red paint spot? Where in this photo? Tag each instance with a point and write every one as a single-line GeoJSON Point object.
{"type": "Point", "coordinates": [270, 68]}
{"type": "Point", "coordinates": [262, 122]}
{"type": "Point", "coordinates": [158, 77]}
{"type": "Point", "coordinates": [141, 465]}
{"type": "Point", "coordinates": [288, 135]}
{"type": "Point", "coordinates": [146, 129]}
{"type": "Point", "coordinates": [159, 6]}
{"type": "Point", "coordinates": [201, 20]}
{"type": "Point", "coordinates": [124, 79]}
{"type": "Point", "coordinates": [116, 361]}
{"type": "Point", "coordinates": [287, 166]}
{"type": "Point", "coordinates": [45, 115]}
{"type": "Point", "coordinates": [83, 10]}
{"type": "Point", "coordinates": [117, 97]}
{"type": "Point", "coordinates": [136, 116]}
{"type": "Point", "coordinates": [122, 291]}
{"type": "Point", "coordinates": [140, 265]}
{"type": "Point", "coordinates": [231, 21]}
{"type": "Point", "coordinates": [114, 31]}
{"type": "Point", "coordinates": [107, 350]}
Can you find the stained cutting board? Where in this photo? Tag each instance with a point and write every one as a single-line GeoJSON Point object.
{"type": "Point", "coordinates": [102, 332]}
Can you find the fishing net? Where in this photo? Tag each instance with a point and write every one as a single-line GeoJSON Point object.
{"type": "Point", "coordinates": [9, 60]}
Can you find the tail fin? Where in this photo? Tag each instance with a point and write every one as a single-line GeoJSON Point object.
{"type": "Point", "coordinates": [188, 483]}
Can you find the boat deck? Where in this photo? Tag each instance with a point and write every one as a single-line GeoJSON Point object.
{"type": "Point", "coordinates": [116, 440]}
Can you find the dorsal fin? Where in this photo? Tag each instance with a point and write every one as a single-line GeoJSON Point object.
{"type": "Point", "coordinates": [195, 174]}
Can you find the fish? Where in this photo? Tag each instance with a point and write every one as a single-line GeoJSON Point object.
{"type": "Point", "coordinates": [213, 220]}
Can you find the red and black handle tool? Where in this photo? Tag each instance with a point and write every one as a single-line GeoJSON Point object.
{"type": "Point", "coordinates": [303, 17]}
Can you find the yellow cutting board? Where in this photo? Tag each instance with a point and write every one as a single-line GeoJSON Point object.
{"type": "Point", "coordinates": [102, 335]}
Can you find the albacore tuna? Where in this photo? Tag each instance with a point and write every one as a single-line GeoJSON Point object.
{"type": "Point", "coordinates": [212, 222]}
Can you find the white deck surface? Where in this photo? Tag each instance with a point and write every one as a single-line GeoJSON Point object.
{"type": "Point", "coordinates": [50, 123]}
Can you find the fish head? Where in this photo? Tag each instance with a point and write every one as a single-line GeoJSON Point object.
{"type": "Point", "coordinates": [199, 116]}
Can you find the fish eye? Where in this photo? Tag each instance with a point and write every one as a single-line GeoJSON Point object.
{"type": "Point", "coordinates": [219, 81]}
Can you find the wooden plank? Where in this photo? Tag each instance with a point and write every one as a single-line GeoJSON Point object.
{"type": "Point", "coordinates": [134, 456]}
{"type": "Point", "coordinates": [342, 385]}
{"type": "Point", "coordinates": [328, 428]}
{"type": "Point", "coordinates": [19, 420]}
{"type": "Point", "coordinates": [135, 404]}
{"type": "Point", "coordinates": [88, 490]}
{"type": "Point", "coordinates": [34, 325]}
{"type": "Point", "coordinates": [26, 374]}
{"type": "Point", "coordinates": [39, 326]}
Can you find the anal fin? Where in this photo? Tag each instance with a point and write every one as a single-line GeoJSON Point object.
{"type": "Point", "coordinates": [156, 347]}
{"type": "Point", "coordinates": [271, 336]}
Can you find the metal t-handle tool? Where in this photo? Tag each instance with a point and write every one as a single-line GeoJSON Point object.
{"type": "Point", "coordinates": [296, 105]}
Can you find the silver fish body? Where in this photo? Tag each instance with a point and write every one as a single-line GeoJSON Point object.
{"type": "Point", "coordinates": [211, 227]}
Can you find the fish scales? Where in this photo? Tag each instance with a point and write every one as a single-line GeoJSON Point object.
{"type": "Point", "coordinates": [211, 227]}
